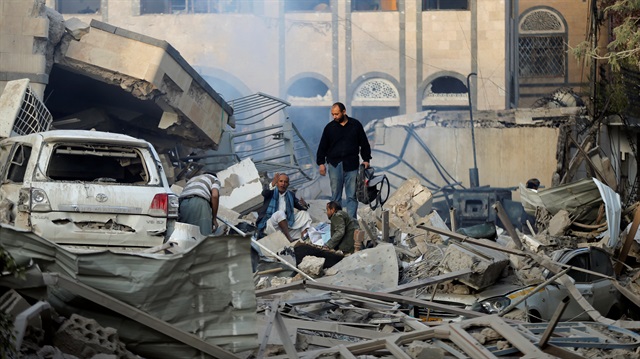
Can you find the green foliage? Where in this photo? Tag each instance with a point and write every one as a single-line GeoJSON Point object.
{"type": "Point", "coordinates": [615, 98]}
{"type": "Point", "coordinates": [7, 265]}
{"type": "Point", "coordinates": [624, 48]}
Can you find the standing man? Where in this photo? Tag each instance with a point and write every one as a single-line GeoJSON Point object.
{"type": "Point", "coordinates": [343, 139]}
{"type": "Point", "coordinates": [277, 211]}
{"type": "Point", "coordinates": [199, 202]}
{"type": "Point", "coordinates": [343, 228]}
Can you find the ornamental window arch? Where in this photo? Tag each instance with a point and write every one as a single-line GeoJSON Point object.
{"type": "Point", "coordinates": [542, 49]}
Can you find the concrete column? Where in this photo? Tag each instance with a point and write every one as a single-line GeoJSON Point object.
{"type": "Point", "coordinates": [411, 78]}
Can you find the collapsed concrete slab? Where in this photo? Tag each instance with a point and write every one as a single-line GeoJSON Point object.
{"type": "Point", "coordinates": [143, 85]}
{"type": "Point", "coordinates": [372, 269]}
{"type": "Point", "coordinates": [487, 264]}
{"type": "Point", "coordinates": [241, 187]}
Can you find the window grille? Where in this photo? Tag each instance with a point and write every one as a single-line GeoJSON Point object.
{"type": "Point", "coordinates": [376, 89]}
{"type": "Point", "coordinates": [541, 45]}
{"type": "Point", "coordinates": [541, 56]}
{"type": "Point", "coordinates": [22, 112]}
{"type": "Point", "coordinates": [33, 116]}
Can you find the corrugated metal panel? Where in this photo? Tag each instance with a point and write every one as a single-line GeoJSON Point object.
{"type": "Point", "coordinates": [207, 291]}
{"type": "Point", "coordinates": [580, 198]}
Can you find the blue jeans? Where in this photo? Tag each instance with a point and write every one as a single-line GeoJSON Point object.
{"type": "Point", "coordinates": [339, 179]}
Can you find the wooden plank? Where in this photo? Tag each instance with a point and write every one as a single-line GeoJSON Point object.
{"type": "Point", "coordinates": [628, 241]}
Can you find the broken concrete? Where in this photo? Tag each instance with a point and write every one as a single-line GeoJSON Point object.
{"type": "Point", "coordinates": [64, 58]}
{"type": "Point", "coordinates": [241, 187]}
{"type": "Point", "coordinates": [487, 264]}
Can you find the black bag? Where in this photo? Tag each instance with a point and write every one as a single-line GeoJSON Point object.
{"type": "Point", "coordinates": [369, 187]}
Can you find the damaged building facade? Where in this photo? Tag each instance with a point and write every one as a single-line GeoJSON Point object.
{"type": "Point", "coordinates": [196, 297]}
{"type": "Point", "coordinates": [401, 69]}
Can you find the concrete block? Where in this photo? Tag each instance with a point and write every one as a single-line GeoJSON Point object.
{"type": "Point", "coordinates": [13, 304]}
{"type": "Point", "coordinates": [559, 223]}
{"type": "Point", "coordinates": [37, 27]}
{"type": "Point", "coordinates": [312, 265]}
{"type": "Point", "coordinates": [411, 195]}
{"type": "Point", "coordinates": [76, 27]}
{"type": "Point", "coordinates": [487, 264]}
{"type": "Point", "coordinates": [242, 189]}
{"type": "Point", "coordinates": [84, 337]}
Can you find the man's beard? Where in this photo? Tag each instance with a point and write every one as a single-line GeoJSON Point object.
{"type": "Point", "coordinates": [342, 119]}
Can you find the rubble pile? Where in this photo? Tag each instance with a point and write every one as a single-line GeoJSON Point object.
{"type": "Point", "coordinates": [443, 293]}
{"type": "Point", "coordinates": [416, 288]}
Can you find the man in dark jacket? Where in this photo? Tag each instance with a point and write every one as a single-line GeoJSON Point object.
{"type": "Point", "coordinates": [343, 139]}
{"type": "Point", "coordinates": [343, 227]}
{"type": "Point", "coordinates": [277, 211]}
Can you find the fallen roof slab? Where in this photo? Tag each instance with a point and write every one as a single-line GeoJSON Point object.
{"type": "Point", "coordinates": [159, 91]}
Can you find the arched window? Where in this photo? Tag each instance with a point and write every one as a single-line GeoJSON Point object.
{"type": "Point", "coordinates": [308, 89]}
{"type": "Point", "coordinates": [445, 93]}
{"type": "Point", "coordinates": [541, 44]}
{"type": "Point", "coordinates": [376, 90]}
{"type": "Point", "coordinates": [311, 101]}
{"type": "Point", "coordinates": [375, 98]}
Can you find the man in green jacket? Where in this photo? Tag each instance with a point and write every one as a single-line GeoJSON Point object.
{"type": "Point", "coordinates": [342, 228]}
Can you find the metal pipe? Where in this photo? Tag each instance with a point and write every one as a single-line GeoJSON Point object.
{"type": "Point", "coordinates": [262, 247]}
{"type": "Point", "coordinates": [474, 180]}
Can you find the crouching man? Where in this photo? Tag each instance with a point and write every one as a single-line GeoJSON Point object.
{"type": "Point", "coordinates": [342, 228]}
{"type": "Point", "coordinates": [277, 212]}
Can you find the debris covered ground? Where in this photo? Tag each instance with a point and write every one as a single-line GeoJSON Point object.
{"type": "Point", "coordinates": [415, 290]}
{"type": "Point", "coordinates": [563, 283]}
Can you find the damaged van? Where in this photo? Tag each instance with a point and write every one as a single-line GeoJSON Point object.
{"type": "Point", "coordinates": [86, 188]}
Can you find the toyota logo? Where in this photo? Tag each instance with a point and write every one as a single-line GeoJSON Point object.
{"type": "Point", "coordinates": [101, 197]}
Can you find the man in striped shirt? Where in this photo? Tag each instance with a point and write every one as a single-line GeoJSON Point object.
{"type": "Point", "coordinates": [199, 202]}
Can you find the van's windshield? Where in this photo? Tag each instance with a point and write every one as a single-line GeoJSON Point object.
{"type": "Point", "coordinates": [98, 163]}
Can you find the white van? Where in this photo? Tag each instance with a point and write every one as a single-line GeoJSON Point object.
{"type": "Point", "coordinates": [86, 188]}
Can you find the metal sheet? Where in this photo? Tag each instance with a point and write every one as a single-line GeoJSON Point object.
{"type": "Point", "coordinates": [613, 211]}
{"type": "Point", "coordinates": [579, 198]}
{"type": "Point", "coordinates": [207, 290]}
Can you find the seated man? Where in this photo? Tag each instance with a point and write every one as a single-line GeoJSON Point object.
{"type": "Point", "coordinates": [342, 228]}
{"type": "Point", "coordinates": [277, 211]}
